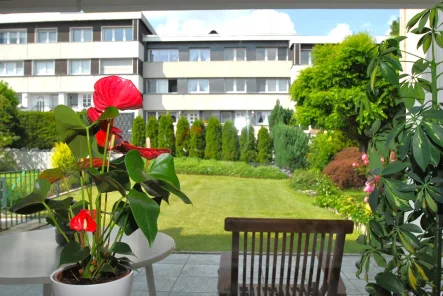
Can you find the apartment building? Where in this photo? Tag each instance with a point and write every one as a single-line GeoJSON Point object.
{"type": "Point", "coordinates": [55, 58]}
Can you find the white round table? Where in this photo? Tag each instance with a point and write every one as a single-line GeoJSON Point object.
{"type": "Point", "coordinates": [28, 258]}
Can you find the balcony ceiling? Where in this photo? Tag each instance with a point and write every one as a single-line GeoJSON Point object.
{"type": "Point", "coordinates": [20, 6]}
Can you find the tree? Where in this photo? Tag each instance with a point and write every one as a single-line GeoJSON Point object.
{"type": "Point", "coordinates": [197, 144]}
{"type": "Point", "coordinates": [182, 137]}
{"type": "Point", "coordinates": [290, 147]}
{"type": "Point", "coordinates": [248, 146]}
{"type": "Point", "coordinates": [280, 115]}
{"type": "Point", "coordinates": [395, 27]}
{"type": "Point", "coordinates": [264, 145]}
{"type": "Point", "coordinates": [152, 131]}
{"type": "Point", "coordinates": [329, 94]}
{"type": "Point", "coordinates": [230, 144]}
{"type": "Point", "coordinates": [213, 139]}
{"type": "Point", "coordinates": [138, 132]}
{"type": "Point", "coordinates": [10, 128]}
{"type": "Point", "coordinates": [166, 137]}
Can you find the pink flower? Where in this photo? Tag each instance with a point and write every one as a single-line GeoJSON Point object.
{"type": "Point", "coordinates": [376, 179]}
{"type": "Point", "coordinates": [366, 162]}
{"type": "Point", "coordinates": [366, 199]}
{"type": "Point", "coordinates": [354, 164]}
{"type": "Point", "coordinates": [393, 156]}
{"type": "Point", "coordinates": [369, 187]}
{"type": "Point", "coordinates": [364, 157]}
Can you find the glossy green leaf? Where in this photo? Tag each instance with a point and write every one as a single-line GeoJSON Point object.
{"type": "Point", "coordinates": [375, 127]}
{"type": "Point", "coordinates": [79, 145]}
{"type": "Point", "coordinates": [37, 196]}
{"type": "Point", "coordinates": [373, 199]}
{"type": "Point", "coordinates": [109, 113]}
{"type": "Point", "coordinates": [434, 131]}
{"type": "Point", "coordinates": [170, 187]}
{"type": "Point", "coordinates": [388, 73]}
{"type": "Point", "coordinates": [409, 241]}
{"type": "Point", "coordinates": [163, 169]}
{"type": "Point", "coordinates": [404, 145]}
{"type": "Point", "coordinates": [111, 181]}
{"type": "Point", "coordinates": [376, 290]}
{"type": "Point", "coordinates": [420, 66]}
{"type": "Point", "coordinates": [73, 253]}
{"type": "Point", "coordinates": [394, 133]}
{"type": "Point", "coordinates": [421, 149]}
{"type": "Point", "coordinates": [52, 175]}
{"type": "Point", "coordinates": [411, 23]}
{"type": "Point", "coordinates": [389, 282]}
{"type": "Point", "coordinates": [411, 228]}
{"type": "Point", "coordinates": [122, 249]}
{"type": "Point", "coordinates": [380, 260]}
{"type": "Point", "coordinates": [135, 166]}
{"type": "Point", "coordinates": [427, 42]}
{"type": "Point", "coordinates": [434, 156]}
{"type": "Point", "coordinates": [374, 159]}
{"type": "Point", "coordinates": [124, 218]}
{"type": "Point", "coordinates": [394, 167]}
{"type": "Point", "coordinates": [145, 211]}
{"type": "Point", "coordinates": [423, 21]}
{"type": "Point", "coordinates": [107, 268]}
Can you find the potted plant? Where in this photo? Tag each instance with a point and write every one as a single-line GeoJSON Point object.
{"type": "Point", "coordinates": [94, 262]}
{"type": "Point", "coordinates": [404, 234]}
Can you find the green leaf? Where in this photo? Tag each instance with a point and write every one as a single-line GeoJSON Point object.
{"type": "Point", "coordinates": [427, 42]}
{"type": "Point", "coordinates": [434, 131]}
{"type": "Point", "coordinates": [109, 113]}
{"type": "Point", "coordinates": [388, 73]}
{"type": "Point", "coordinates": [373, 199]}
{"type": "Point", "coordinates": [79, 145]}
{"type": "Point", "coordinates": [170, 187]}
{"type": "Point", "coordinates": [124, 218]}
{"type": "Point", "coordinates": [433, 114]}
{"type": "Point", "coordinates": [411, 228]}
{"type": "Point", "coordinates": [376, 228]}
{"type": "Point", "coordinates": [421, 149]}
{"type": "Point", "coordinates": [389, 282]}
{"type": "Point", "coordinates": [423, 21]}
{"type": "Point", "coordinates": [122, 249]}
{"type": "Point", "coordinates": [415, 19]}
{"type": "Point", "coordinates": [435, 156]}
{"type": "Point", "coordinates": [145, 211]}
{"type": "Point", "coordinates": [394, 133]}
{"type": "Point", "coordinates": [73, 253]}
{"type": "Point", "coordinates": [37, 196]}
{"type": "Point", "coordinates": [394, 167]}
{"type": "Point", "coordinates": [135, 165]}
{"type": "Point", "coordinates": [376, 290]}
{"type": "Point", "coordinates": [380, 260]}
{"type": "Point", "coordinates": [409, 241]}
{"type": "Point", "coordinates": [439, 40]}
{"type": "Point", "coordinates": [111, 181]}
{"type": "Point", "coordinates": [107, 268]}
{"type": "Point", "coordinates": [420, 66]}
{"type": "Point", "coordinates": [52, 175]}
{"type": "Point", "coordinates": [403, 148]}
{"type": "Point", "coordinates": [375, 127]}
{"type": "Point", "coordinates": [163, 169]}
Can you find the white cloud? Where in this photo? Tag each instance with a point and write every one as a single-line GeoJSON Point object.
{"type": "Point", "coordinates": [231, 22]}
{"type": "Point", "coordinates": [391, 19]}
{"type": "Point", "coordinates": [340, 31]}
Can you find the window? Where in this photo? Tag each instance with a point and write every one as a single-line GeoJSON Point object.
{"type": "Point", "coordinates": [198, 86]}
{"type": "Point", "coordinates": [73, 100]}
{"type": "Point", "coordinates": [163, 55]}
{"type": "Point", "coordinates": [117, 34]}
{"type": "Point", "coordinates": [199, 55]}
{"type": "Point", "coordinates": [235, 85]}
{"type": "Point", "coordinates": [46, 35]}
{"type": "Point", "coordinates": [225, 116]}
{"type": "Point", "coordinates": [13, 37]}
{"type": "Point", "coordinates": [116, 66]}
{"type": "Point", "coordinates": [267, 54]}
{"type": "Point", "coordinates": [305, 57]}
{"type": "Point", "coordinates": [261, 118]}
{"type": "Point", "coordinates": [191, 116]}
{"type": "Point", "coordinates": [208, 114]}
{"type": "Point", "coordinates": [81, 35]}
{"type": "Point", "coordinates": [79, 67]}
{"type": "Point", "coordinates": [273, 85]}
{"type": "Point", "coordinates": [44, 67]}
{"type": "Point", "coordinates": [162, 86]}
{"type": "Point", "coordinates": [11, 68]}
{"type": "Point", "coordinates": [235, 54]}
{"type": "Point", "coordinates": [86, 100]}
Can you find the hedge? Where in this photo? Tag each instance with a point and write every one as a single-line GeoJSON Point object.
{"type": "Point", "coordinates": [152, 131]}
{"type": "Point", "coordinates": [166, 136]}
{"type": "Point", "coordinates": [197, 144]}
{"type": "Point", "coordinates": [290, 146]}
{"type": "Point", "coordinates": [248, 145]}
{"type": "Point", "coordinates": [38, 130]}
{"type": "Point", "coordinates": [213, 139]}
{"type": "Point", "coordinates": [195, 166]}
{"type": "Point", "coordinates": [264, 146]}
{"type": "Point", "coordinates": [138, 137]}
{"type": "Point", "coordinates": [182, 137]}
{"type": "Point", "coordinates": [230, 144]}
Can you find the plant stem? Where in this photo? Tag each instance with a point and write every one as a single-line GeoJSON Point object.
{"type": "Point", "coordinates": [51, 215]}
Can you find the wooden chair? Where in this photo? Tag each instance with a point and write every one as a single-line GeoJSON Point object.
{"type": "Point", "coordinates": [283, 257]}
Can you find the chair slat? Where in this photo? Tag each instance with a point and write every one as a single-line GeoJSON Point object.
{"type": "Point", "coordinates": [268, 247]}
{"type": "Point", "coordinates": [328, 262]}
{"type": "Point", "coordinates": [297, 261]}
{"type": "Point", "coordinates": [334, 276]}
{"type": "Point", "coordinates": [274, 261]}
{"type": "Point", "coordinates": [305, 262]}
{"type": "Point", "coordinates": [320, 262]}
{"type": "Point", "coordinates": [245, 258]}
{"type": "Point", "coordinates": [260, 262]}
{"type": "Point", "coordinates": [290, 254]}
{"type": "Point", "coordinates": [311, 267]}
{"type": "Point", "coordinates": [234, 262]}
{"type": "Point", "coordinates": [282, 261]}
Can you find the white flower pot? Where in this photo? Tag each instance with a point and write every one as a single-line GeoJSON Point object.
{"type": "Point", "coordinates": [120, 287]}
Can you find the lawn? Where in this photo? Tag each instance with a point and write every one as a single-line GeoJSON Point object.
{"type": "Point", "coordinates": [200, 227]}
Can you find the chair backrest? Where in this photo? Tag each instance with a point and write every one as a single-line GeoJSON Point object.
{"type": "Point", "coordinates": [286, 256]}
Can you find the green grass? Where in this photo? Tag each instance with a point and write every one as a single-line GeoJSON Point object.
{"type": "Point", "coordinates": [358, 195]}
{"type": "Point", "coordinates": [200, 227]}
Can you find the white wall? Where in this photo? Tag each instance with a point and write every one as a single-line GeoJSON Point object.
{"type": "Point", "coordinates": [27, 160]}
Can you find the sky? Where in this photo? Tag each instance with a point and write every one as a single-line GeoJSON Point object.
{"type": "Point", "coordinates": [322, 22]}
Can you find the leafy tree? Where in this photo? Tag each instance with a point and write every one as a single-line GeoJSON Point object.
{"type": "Point", "coordinates": [138, 132]}
{"type": "Point", "coordinates": [166, 136]}
{"type": "Point", "coordinates": [230, 144]}
{"type": "Point", "coordinates": [248, 145]}
{"type": "Point", "coordinates": [280, 115]}
{"type": "Point", "coordinates": [395, 27]}
{"type": "Point", "coordinates": [213, 139]}
{"type": "Point", "coordinates": [182, 137]}
{"type": "Point", "coordinates": [264, 145]}
{"type": "Point", "coordinates": [290, 147]}
{"type": "Point", "coordinates": [329, 93]}
{"type": "Point", "coordinates": [38, 130]}
{"type": "Point", "coordinates": [152, 131]}
{"type": "Point", "coordinates": [197, 144]}
{"type": "Point", "coordinates": [9, 122]}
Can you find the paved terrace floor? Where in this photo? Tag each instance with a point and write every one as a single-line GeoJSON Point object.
{"type": "Point", "coordinates": [194, 274]}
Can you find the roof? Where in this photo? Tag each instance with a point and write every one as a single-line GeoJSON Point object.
{"type": "Point", "coordinates": [18, 18]}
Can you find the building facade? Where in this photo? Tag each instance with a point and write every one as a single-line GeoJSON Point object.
{"type": "Point", "coordinates": [55, 58]}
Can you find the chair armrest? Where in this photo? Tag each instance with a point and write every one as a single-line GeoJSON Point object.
{"type": "Point", "coordinates": [224, 274]}
{"type": "Point", "coordinates": [341, 288]}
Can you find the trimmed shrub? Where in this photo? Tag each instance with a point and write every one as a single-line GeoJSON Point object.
{"type": "Point", "coordinates": [280, 115]}
{"type": "Point", "coordinates": [194, 166]}
{"type": "Point", "coordinates": [342, 173]}
{"type": "Point", "coordinates": [166, 136]}
{"type": "Point", "coordinates": [138, 132]}
{"type": "Point", "coordinates": [39, 130]}
{"type": "Point", "coordinates": [248, 145]}
{"type": "Point", "coordinates": [305, 179]}
{"type": "Point", "coordinates": [213, 139]}
{"type": "Point", "coordinates": [63, 158]}
{"type": "Point", "coordinates": [230, 144]}
{"type": "Point", "coordinates": [182, 137]}
{"type": "Point", "coordinates": [264, 145]}
{"type": "Point", "coordinates": [290, 147]}
{"type": "Point", "coordinates": [197, 144]}
{"type": "Point", "coordinates": [325, 145]}
{"type": "Point", "coordinates": [152, 131]}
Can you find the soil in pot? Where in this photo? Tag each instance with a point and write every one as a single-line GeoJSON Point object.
{"type": "Point", "coordinates": [71, 276]}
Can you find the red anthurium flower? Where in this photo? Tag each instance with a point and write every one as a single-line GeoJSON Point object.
{"type": "Point", "coordinates": [117, 92]}
{"type": "Point", "coordinates": [96, 163]}
{"type": "Point", "coordinates": [83, 221]}
{"type": "Point", "coordinates": [148, 153]}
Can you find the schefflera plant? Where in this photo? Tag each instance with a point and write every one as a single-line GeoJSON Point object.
{"type": "Point", "coordinates": [93, 139]}
{"type": "Point", "coordinates": [403, 236]}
